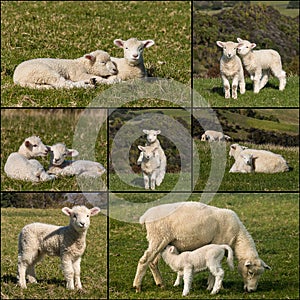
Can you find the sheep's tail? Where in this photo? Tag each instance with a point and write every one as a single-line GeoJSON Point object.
{"type": "Point", "coordinates": [229, 256]}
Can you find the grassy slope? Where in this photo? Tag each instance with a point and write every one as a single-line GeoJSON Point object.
{"type": "Point", "coordinates": [212, 91]}
{"type": "Point", "coordinates": [272, 220]}
{"type": "Point", "coordinates": [47, 29]}
{"type": "Point", "coordinates": [51, 283]}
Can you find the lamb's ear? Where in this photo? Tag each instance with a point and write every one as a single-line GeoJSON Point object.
{"type": "Point", "coordinates": [119, 43]}
{"type": "Point", "coordinates": [265, 265]}
{"type": "Point", "coordinates": [145, 131]}
{"type": "Point", "coordinates": [90, 57]}
{"type": "Point", "coordinates": [94, 211]}
{"type": "Point", "coordinates": [27, 144]}
{"type": "Point", "coordinates": [233, 147]}
{"type": "Point", "coordinates": [171, 249]}
{"type": "Point", "coordinates": [67, 211]}
{"type": "Point", "coordinates": [158, 131]}
{"type": "Point", "coordinates": [141, 148]}
{"type": "Point", "coordinates": [253, 45]}
{"type": "Point", "coordinates": [220, 44]}
{"type": "Point", "coordinates": [148, 43]}
{"type": "Point", "coordinates": [239, 40]}
{"type": "Point", "coordinates": [72, 152]}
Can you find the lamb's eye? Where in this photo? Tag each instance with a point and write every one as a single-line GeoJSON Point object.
{"type": "Point", "coordinates": [126, 48]}
{"type": "Point", "coordinates": [87, 216]}
{"type": "Point", "coordinates": [34, 145]}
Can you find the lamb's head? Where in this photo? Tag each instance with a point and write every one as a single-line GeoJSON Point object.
{"type": "Point", "coordinates": [229, 48]}
{"type": "Point", "coordinates": [248, 158]}
{"type": "Point", "coordinates": [33, 147]}
{"type": "Point", "coordinates": [204, 137]}
{"type": "Point", "coordinates": [151, 135]}
{"type": "Point", "coordinates": [148, 152]}
{"type": "Point", "coordinates": [235, 149]}
{"type": "Point", "coordinates": [80, 216]}
{"type": "Point", "coordinates": [133, 49]}
{"type": "Point", "coordinates": [244, 47]}
{"type": "Point", "coordinates": [100, 64]}
{"type": "Point", "coordinates": [59, 152]}
{"type": "Point", "coordinates": [251, 270]}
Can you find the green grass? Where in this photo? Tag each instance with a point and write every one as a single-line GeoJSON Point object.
{"type": "Point", "coordinates": [53, 126]}
{"type": "Point", "coordinates": [51, 283]}
{"type": "Point", "coordinates": [281, 7]}
{"type": "Point", "coordinates": [212, 91]}
{"type": "Point", "coordinates": [271, 219]}
{"type": "Point", "coordinates": [71, 29]}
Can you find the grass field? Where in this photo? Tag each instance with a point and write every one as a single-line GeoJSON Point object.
{"type": "Point", "coordinates": [53, 126]}
{"type": "Point", "coordinates": [271, 219]}
{"type": "Point", "coordinates": [51, 283]}
{"type": "Point", "coordinates": [212, 91]}
{"type": "Point", "coordinates": [72, 29]}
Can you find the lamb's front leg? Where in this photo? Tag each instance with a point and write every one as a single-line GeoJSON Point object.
{"type": "Point", "coordinates": [76, 267]}
{"type": "Point", "coordinates": [235, 82]}
{"type": "Point", "coordinates": [153, 180]}
{"type": "Point", "coordinates": [178, 279]}
{"type": "Point", "coordinates": [68, 270]}
{"type": "Point", "coordinates": [187, 279]}
{"type": "Point", "coordinates": [146, 181]}
{"type": "Point", "coordinates": [226, 86]}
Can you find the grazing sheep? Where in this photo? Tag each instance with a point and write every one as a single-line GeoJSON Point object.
{"type": "Point", "coordinates": [150, 165]}
{"type": "Point", "coordinates": [83, 72]}
{"type": "Point", "coordinates": [212, 136]}
{"type": "Point", "coordinates": [20, 165]}
{"type": "Point", "coordinates": [131, 66]}
{"type": "Point", "coordinates": [68, 242]}
{"type": "Point", "coordinates": [190, 225]}
{"type": "Point", "coordinates": [62, 167]}
{"type": "Point", "coordinates": [263, 161]}
{"type": "Point", "coordinates": [231, 67]}
{"type": "Point", "coordinates": [243, 164]}
{"type": "Point", "coordinates": [259, 63]}
{"type": "Point", "coordinates": [188, 263]}
{"type": "Point", "coordinates": [153, 141]}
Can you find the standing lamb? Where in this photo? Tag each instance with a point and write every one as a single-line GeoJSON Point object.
{"type": "Point", "coordinates": [188, 263]}
{"type": "Point", "coordinates": [190, 225]}
{"type": "Point", "coordinates": [131, 66]}
{"type": "Point", "coordinates": [259, 63]}
{"type": "Point", "coordinates": [243, 164]}
{"type": "Point", "coordinates": [60, 166]}
{"type": "Point", "coordinates": [20, 165]}
{"type": "Point", "coordinates": [213, 136]}
{"type": "Point", "coordinates": [83, 72]}
{"type": "Point", "coordinates": [263, 161]}
{"type": "Point", "coordinates": [231, 67]}
{"type": "Point", "coordinates": [150, 166]}
{"type": "Point", "coordinates": [69, 242]}
{"type": "Point", "coordinates": [153, 141]}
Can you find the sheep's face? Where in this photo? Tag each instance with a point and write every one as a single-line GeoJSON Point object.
{"type": "Point", "coordinates": [247, 158]}
{"type": "Point", "coordinates": [36, 147]}
{"type": "Point", "coordinates": [148, 152]}
{"type": "Point", "coordinates": [151, 135]}
{"type": "Point", "coordinates": [229, 48]}
{"type": "Point", "coordinates": [251, 270]}
{"type": "Point", "coordinates": [203, 137]}
{"type": "Point", "coordinates": [100, 64]}
{"type": "Point", "coordinates": [59, 152]}
{"type": "Point", "coordinates": [133, 49]}
{"type": "Point", "coordinates": [244, 47]}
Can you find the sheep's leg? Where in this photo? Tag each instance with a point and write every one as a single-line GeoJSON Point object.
{"type": "Point", "coordinates": [218, 272]}
{"type": "Point", "coordinates": [178, 279]}
{"type": "Point", "coordinates": [242, 84]}
{"type": "Point", "coordinates": [161, 172]}
{"type": "Point", "coordinates": [264, 79]}
{"type": "Point", "coordinates": [146, 181]}
{"type": "Point", "coordinates": [22, 268]}
{"type": "Point", "coordinates": [153, 179]}
{"type": "Point", "coordinates": [67, 267]}
{"type": "Point", "coordinates": [76, 267]}
{"type": "Point", "coordinates": [31, 269]}
{"type": "Point", "coordinates": [256, 82]}
{"type": "Point", "coordinates": [226, 86]}
{"type": "Point", "coordinates": [187, 279]}
{"type": "Point", "coordinates": [280, 74]}
{"type": "Point", "coordinates": [210, 282]}
{"type": "Point", "coordinates": [235, 82]}
{"type": "Point", "coordinates": [150, 255]}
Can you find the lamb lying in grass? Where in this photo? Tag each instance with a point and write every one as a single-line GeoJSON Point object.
{"type": "Point", "coordinates": [68, 242]}
{"type": "Point", "coordinates": [188, 263]}
{"type": "Point", "coordinates": [83, 72]}
{"type": "Point", "coordinates": [214, 136]}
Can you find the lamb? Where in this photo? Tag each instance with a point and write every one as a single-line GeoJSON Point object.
{"type": "Point", "coordinates": [83, 72]}
{"type": "Point", "coordinates": [212, 136]}
{"type": "Point", "coordinates": [243, 164]}
{"type": "Point", "coordinates": [188, 263]}
{"type": "Point", "coordinates": [231, 67]}
{"type": "Point", "coordinates": [263, 161]}
{"type": "Point", "coordinates": [20, 165]}
{"type": "Point", "coordinates": [68, 242]}
{"type": "Point", "coordinates": [60, 166]}
{"type": "Point", "coordinates": [190, 225]}
{"type": "Point", "coordinates": [153, 141]}
{"type": "Point", "coordinates": [131, 66]}
{"type": "Point", "coordinates": [259, 63]}
{"type": "Point", "coordinates": [150, 166]}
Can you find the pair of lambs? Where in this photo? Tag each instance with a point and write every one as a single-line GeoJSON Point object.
{"type": "Point", "coordinates": [214, 136]}
{"type": "Point", "coordinates": [258, 64]}
{"type": "Point", "coordinates": [84, 72]}
{"type": "Point", "coordinates": [152, 160]}
{"type": "Point", "coordinates": [69, 242]}
{"type": "Point", "coordinates": [253, 160]}
{"type": "Point", "coordinates": [21, 165]}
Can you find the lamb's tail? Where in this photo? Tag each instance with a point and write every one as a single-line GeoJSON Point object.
{"type": "Point", "coordinates": [229, 256]}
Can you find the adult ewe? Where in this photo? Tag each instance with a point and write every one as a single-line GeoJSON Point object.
{"type": "Point", "coordinates": [68, 242]}
{"type": "Point", "coordinates": [83, 72]}
{"type": "Point", "coordinates": [190, 225]}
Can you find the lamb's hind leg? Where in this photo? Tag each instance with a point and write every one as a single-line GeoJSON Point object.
{"type": "Point", "coordinates": [264, 79]}
{"type": "Point", "coordinates": [218, 273]}
{"type": "Point", "coordinates": [281, 75]}
{"type": "Point", "coordinates": [31, 269]}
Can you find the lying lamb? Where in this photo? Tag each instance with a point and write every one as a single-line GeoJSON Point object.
{"type": "Point", "coordinates": [213, 136]}
{"type": "Point", "coordinates": [263, 161]}
{"type": "Point", "coordinates": [231, 68]}
{"type": "Point", "coordinates": [83, 72]}
{"type": "Point", "coordinates": [190, 225]}
{"type": "Point", "coordinates": [243, 164]}
{"type": "Point", "coordinates": [131, 66]}
{"type": "Point", "coordinates": [69, 242]}
{"type": "Point", "coordinates": [60, 166]}
{"type": "Point", "coordinates": [153, 141]}
{"type": "Point", "coordinates": [20, 165]}
{"type": "Point", "coordinates": [259, 63]}
{"type": "Point", "coordinates": [188, 263]}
